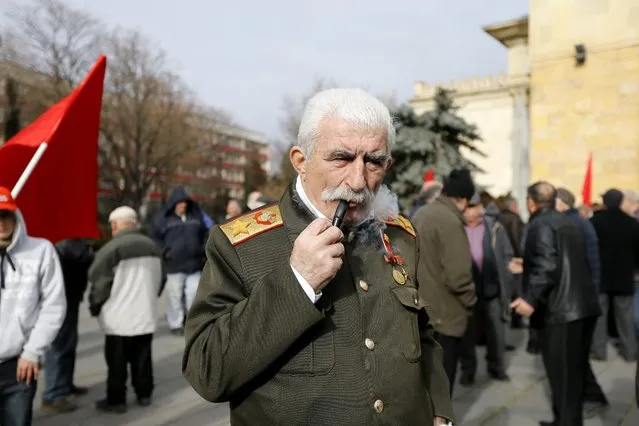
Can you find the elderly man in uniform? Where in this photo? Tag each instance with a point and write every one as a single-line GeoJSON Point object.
{"type": "Point", "coordinates": [295, 324]}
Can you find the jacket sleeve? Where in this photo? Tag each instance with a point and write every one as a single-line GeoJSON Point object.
{"type": "Point", "coordinates": [156, 230]}
{"type": "Point", "coordinates": [592, 253]}
{"type": "Point", "coordinates": [163, 276]}
{"type": "Point", "coordinates": [506, 253]}
{"type": "Point", "coordinates": [53, 307]}
{"type": "Point", "coordinates": [432, 360]}
{"type": "Point", "coordinates": [233, 335]}
{"type": "Point", "coordinates": [455, 258]}
{"type": "Point", "coordinates": [101, 276]}
{"type": "Point", "coordinates": [541, 263]}
{"type": "Point", "coordinates": [433, 368]}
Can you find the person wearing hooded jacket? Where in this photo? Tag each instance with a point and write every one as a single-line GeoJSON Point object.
{"type": "Point", "coordinates": [32, 309]}
{"type": "Point", "coordinates": [180, 231]}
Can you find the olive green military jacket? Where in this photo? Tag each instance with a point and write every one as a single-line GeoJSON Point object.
{"type": "Point", "coordinates": [364, 354]}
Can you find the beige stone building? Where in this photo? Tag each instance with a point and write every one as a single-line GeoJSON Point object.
{"type": "Point", "coordinates": [571, 89]}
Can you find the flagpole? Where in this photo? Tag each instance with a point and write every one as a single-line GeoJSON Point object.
{"type": "Point", "coordinates": [28, 170]}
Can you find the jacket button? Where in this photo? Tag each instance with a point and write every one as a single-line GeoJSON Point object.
{"type": "Point", "coordinates": [351, 236]}
{"type": "Point", "coordinates": [369, 344]}
{"type": "Point", "coordinates": [378, 406]}
{"type": "Point", "coordinates": [363, 284]}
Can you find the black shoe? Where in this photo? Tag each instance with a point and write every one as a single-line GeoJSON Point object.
{"type": "Point", "coordinates": [103, 405]}
{"type": "Point", "coordinates": [544, 423]}
{"type": "Point", "coordinates": [510, 348]}
{"type": "Point", "coordinates": [467, 380]}
{"type": "Point", "coordinates": [499, 375]}
{"type": "Point", "coordinates": [177, 331]}
{"type": "Point", "coordinates": [144, 402]}
{"type": "Point", "coordinates": [79, 390]}
{"type": "Point", "coordinates": [59, 406]}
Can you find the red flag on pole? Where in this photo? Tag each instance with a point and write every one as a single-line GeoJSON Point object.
{"type": "Point", "coordinates": [586, 190]}
{"type": "Point", "coordinates": [59, 199]}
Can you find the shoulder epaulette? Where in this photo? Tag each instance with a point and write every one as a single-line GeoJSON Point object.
{"type": "Point", "coordinates": [247, 226]}
{"type": "Point", "coordinates": [401, 222]}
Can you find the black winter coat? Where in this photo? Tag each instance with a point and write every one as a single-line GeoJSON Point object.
{"type": "Point", "coordinates": [618, 235]}
{"type": "Point", "coordinates": [557, 277]}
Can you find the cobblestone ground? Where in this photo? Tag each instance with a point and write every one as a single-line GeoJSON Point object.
{"type": "Point", "coordinates": [522, 402]}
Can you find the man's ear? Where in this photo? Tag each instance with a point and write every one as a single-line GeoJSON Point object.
{"type": "Point", "coordinates": [389, 163]}
{"type": "Point", "coordinates": [298, 160]}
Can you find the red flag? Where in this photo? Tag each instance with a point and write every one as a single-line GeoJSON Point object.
{"type": "Point", "coordinates": [586, 190]}
{"type": "Point", "coordinates": [59, 200]}
{"type": "Point", "coordinates": [429, 175]}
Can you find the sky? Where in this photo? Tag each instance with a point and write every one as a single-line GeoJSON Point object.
{"type": "Point", "coordinates": [245, 56]}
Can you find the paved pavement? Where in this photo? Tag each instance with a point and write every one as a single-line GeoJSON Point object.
{"type": "Point", "coordinates": [522, 402]}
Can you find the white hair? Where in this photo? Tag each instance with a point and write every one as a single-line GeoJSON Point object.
{"type": "Point", "coordinates": [355, 106]}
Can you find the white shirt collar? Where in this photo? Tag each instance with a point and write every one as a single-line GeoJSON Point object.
{"type": "Point", "coordinates": [302, 194]}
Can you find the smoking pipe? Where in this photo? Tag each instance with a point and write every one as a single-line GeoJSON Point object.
{"type": "Point", "coordinates": [340, 212]}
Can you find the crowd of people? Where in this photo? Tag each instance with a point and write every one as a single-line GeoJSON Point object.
{"type": "Point", "coordinates": [293, 318]}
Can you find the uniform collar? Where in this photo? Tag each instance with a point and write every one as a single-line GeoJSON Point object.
{"type": "Point", "coordinates": [301, 193]}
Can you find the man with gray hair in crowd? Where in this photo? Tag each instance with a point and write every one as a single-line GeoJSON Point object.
{"type": "Point", "coordinates": [126, 279]}
{"type": "Point", "coordinates": [300, 321]}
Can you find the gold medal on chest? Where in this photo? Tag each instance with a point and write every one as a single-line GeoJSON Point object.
{"type": "Point", "coordinates": [399, 272]}
{"type": "Point", "coordinates": [399, 277]}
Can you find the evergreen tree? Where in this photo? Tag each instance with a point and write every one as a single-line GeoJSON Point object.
{"type": "Point", "coordinates": [434, 140]}
{"type": "Point", "coordinates": [12, 115]}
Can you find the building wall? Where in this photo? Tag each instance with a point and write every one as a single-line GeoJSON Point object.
{"type": "Point", "coordinates": [589, 108]}
{"type": "Point", "coordinates": [488, 104]}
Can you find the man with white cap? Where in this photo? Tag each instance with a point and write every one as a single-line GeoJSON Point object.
{"type": "Point", "coordinates": [126, 278]}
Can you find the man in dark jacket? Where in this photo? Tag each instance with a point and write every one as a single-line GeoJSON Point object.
{"type": "Point", "coordinates": [179, 230]}
{"type": "Point", "coordinates": [446, 270]}
{"type": "Point", "coordinates": [594, 397]}
{"type": "Point", "coordinates": [75, 256]}
{"type": "Point", "coordinates": [618, 235]}
{"type": "Point", "coordinates": [491, 253]}
{"type": "Point", "coordinates": [511, 220]}
{"type": "Point", "coordinates": [561, 301]}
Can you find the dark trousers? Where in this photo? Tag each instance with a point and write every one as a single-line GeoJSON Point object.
{"type": "Point", "coordinates": [59, 361]}
{"type": "Point", "coordinates": [16, 399]}
{"type": "Point", "coordinates": [452, 348]}
{"type": "Point", "coordinates": [565, 350]}
{"type": "Point", "coordinates": [624, 319]}
{"type": "Point", "coordinates": [133, 351]}
{"type": "Point", "coordinates": [488, 313]}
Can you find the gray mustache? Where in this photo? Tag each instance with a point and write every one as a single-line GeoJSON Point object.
{"type": "Point", "coordinates": [344, 193]}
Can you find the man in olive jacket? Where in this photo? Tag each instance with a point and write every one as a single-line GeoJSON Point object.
{"type": "Point", "coordinates": [446, 269]}
{"type": "Point", "coordinates": [298, 322]}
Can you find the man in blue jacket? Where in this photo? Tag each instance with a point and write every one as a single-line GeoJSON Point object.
{"type": "Point", "coordinates": [181, 232]}
{"type": "Point", "coordinates": [594, 398]}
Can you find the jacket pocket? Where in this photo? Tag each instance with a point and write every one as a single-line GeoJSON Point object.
{"type": "Point", "coordinates": [410, 303]}
{"type": "Point", "coordinates": [313, 354]}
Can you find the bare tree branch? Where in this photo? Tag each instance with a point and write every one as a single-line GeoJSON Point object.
{"type": "Point", "coordinates": [54, 39]}
{"type": "Point", "coordinates": [148, 115]}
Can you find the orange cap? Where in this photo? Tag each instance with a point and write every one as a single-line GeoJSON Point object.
{"type": "Point", "coordinates": [6, 200]}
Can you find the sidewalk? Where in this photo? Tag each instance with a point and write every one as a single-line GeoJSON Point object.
{"type": "Point", "coordinates": [522, 402]}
